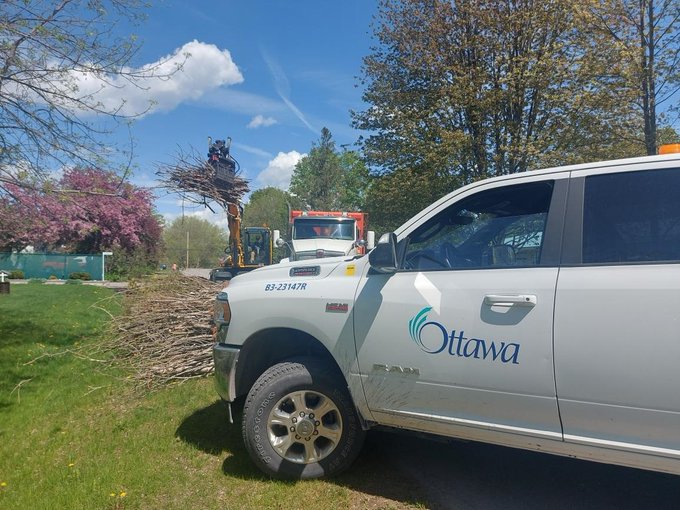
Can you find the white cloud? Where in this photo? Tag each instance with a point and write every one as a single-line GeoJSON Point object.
{"type": "Point", "coordinates": [280, 170]}
{"type": "Point", "coordinates": [218, 218]}
{"type": "Point", "coordinates": [261, 121]}
{"type": "Point", "coordinates": [187, 74]}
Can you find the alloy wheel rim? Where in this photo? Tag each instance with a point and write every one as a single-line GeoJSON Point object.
{"type": "Point", "coordinates": [304, 426]}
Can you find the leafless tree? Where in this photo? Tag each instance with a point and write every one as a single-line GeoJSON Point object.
{"type": "Point", "coordinates": [57, 58]}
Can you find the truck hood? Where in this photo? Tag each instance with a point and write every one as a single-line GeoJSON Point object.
{"type": "Point", "coordinates": [284, 271]}
{"type": "Point", "coordinates": [332, 245]}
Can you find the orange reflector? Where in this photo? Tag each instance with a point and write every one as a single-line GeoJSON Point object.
{"type": "Point", "coordinates": [670, 148]}
{"type": "Point", "coordinates": [226, 311]}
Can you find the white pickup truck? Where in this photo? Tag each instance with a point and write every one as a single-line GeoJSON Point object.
{"type": "Point", "coordinates": [537, 310]}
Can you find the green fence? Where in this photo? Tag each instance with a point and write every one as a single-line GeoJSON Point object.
{"type": "Point", "coordinates": [44, 265]}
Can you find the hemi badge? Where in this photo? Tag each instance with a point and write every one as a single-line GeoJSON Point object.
{"type": "Point", "coordinates": [337, 307]}
{"type": "Point", "coordinates": [305, 271]}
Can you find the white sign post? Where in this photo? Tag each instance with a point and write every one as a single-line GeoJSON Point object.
{"type": "Point", "coordinates": [104, 254]}
{"type": "Point", "coordinates": [4, 286]}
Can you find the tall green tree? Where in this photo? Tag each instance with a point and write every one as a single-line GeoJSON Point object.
{"type": "Point", "coordinates": [268, 207]}
{"type": "Point", "coordinates": [329, 180]}
{"type": "Point", "coordinates": [355, 183]}
{"type": "Point", "coordinates": [462, 90]}
{"type": "Point", "coordinates": [667, 134]}
{"type": "Point", "coordinates": [642, 40]}
{"type": "Point", "coordinates": [316, 176]}
{"type": "Point", "coordinates": [395, 197]}
{"type": "Point", "coordinates": [204, 242]}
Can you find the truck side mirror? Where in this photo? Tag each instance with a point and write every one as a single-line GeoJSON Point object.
{"type": "Point", "coordinates": [370, 239]}
{"type": "Point", "coordinates": [276, 235]}
{"type": "Point", "coordinates": [383, 258]}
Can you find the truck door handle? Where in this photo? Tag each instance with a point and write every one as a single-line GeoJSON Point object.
{"type": "Point", "coordinates": [510, 300]}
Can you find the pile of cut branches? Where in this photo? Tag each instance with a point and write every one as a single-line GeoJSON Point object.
{"type": "Point", "coordinates": [164, 331]}
{"type": "Point", "coordinates": [195, 181]}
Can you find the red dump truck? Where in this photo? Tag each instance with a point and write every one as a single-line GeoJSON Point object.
{"type": "Point", "coordinates": [320, 234]}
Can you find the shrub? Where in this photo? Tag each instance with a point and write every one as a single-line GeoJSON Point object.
{"type": "Point", "coordinates": [53, 277]}
{"type": "Point", "coordinates": [136, 264]}
{"type": "Point", "coordinates": [80, 275]}
{"type": "Point", "coordinates": [115, 277]}
{"type": "Point", "coordinates": [17, 274]}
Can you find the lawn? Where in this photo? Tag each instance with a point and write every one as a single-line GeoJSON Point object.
{"type": "Point", "coordinates": [75, 433]}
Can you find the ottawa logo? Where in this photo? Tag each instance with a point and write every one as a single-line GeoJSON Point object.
{"type": "Point", "coordinates": [432, 337]}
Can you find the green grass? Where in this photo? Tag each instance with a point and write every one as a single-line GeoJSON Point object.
{"type": "Point", "coordinates": [74, 433]}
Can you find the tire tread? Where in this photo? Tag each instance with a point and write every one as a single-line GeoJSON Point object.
{"type": "Point", "coordinates": [279, 372]}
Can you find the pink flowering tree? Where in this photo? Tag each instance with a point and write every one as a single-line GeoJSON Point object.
{"type": "Point", "coordinates": [92, 212]}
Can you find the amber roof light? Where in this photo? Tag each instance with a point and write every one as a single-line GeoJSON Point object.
{"type": "Point", "coordinates": [670, 148]}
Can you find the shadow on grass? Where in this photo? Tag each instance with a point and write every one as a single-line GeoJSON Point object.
{"type": "Point", "coordinates": [452, 474]}
{"type": "Point", "coordinates": [209, 430]}
{"type": "Point", "coordinates": [22, 332]}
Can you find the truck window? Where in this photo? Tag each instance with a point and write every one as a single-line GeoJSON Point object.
{"type": "Point", "coordinates": [501, 227]}
{"type": "Point", "coordinates": [632, 217]}
{"type": "Point", "coordinates": [324, 229]}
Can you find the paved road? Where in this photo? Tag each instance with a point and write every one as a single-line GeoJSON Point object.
{"type": "Point", "coordinates": [194, 271]}
{"type": "Point", "coordinates": [467, 475]}
{"type": "Point", "coordinates": [98, 283]}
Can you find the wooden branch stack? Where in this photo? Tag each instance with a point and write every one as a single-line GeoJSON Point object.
{"type": "Point", "coordinates": [194, 180]}
{"type": "Point", "coordinates": [164, 332]}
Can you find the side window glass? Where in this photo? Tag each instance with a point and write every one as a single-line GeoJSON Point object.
{"type": "Point", "coordinates": [501, 227]}
{"type": "Point", "coordinates": [632, 217]}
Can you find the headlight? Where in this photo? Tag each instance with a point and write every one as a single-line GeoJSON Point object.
{"type": "Point", "coordinates": [222, 311]}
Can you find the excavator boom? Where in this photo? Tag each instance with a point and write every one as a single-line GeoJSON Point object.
{"type": "Point", "coordinates": [235, 244]}
{"type": "Point", "coordinates": [259, 239]}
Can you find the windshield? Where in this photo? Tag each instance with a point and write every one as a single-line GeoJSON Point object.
{"type": "Point", "coordinates": [319, 228]}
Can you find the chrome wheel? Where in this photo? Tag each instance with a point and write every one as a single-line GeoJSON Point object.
{"type": "Point", "coordinates": [304, 427]}
{"type": "Point", "coordinates": [299, 421]}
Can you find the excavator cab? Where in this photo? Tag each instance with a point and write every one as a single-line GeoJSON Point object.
{"type": "Point", "coordinates": [252, 248]}
{"type": "Point", "coordinates": [257, 242]}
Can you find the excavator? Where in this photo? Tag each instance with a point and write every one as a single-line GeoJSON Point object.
{"type": "Point", "coordinates": [249, 247]}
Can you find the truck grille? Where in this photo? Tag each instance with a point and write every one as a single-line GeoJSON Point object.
{"type": "Point", "coordinates": [316, 254]}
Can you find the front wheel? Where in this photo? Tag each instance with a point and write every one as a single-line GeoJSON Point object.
{"type": "Point", "coordinates": [299, 422]}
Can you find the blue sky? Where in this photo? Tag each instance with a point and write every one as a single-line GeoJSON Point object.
{"type": "Point", "coordinates": [269, 74]}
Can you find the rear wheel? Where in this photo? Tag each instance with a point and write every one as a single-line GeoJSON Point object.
{"type": "Point", "coordinates": [299, 422]}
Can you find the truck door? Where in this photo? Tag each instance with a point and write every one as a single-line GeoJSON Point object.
{"type": "Point", "coordinates": [617, 340]}
{"type": "Point", "coordinates": [459, 340]}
